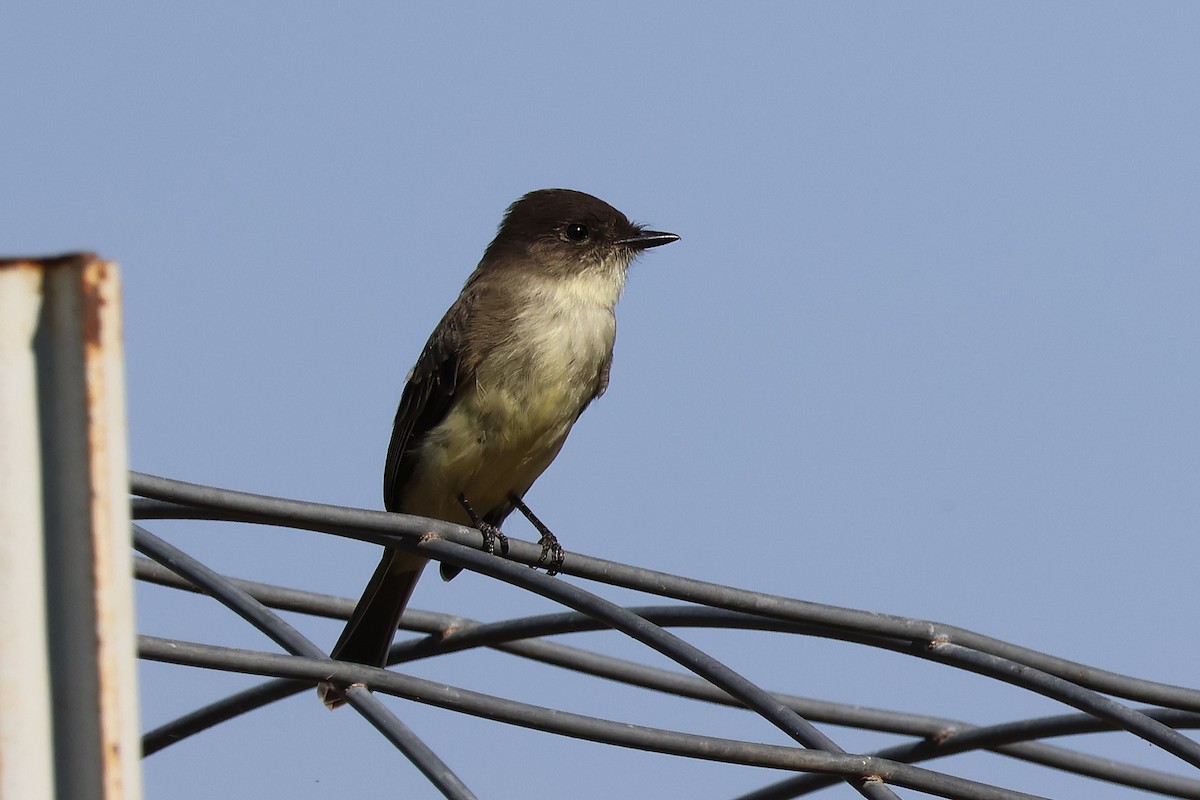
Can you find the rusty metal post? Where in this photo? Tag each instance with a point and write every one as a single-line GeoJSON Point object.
{"type": "Point", "coordinates": [68, 710]}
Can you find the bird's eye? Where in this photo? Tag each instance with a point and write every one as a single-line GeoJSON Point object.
{"type": "Point", "coordinates": [576, 232]}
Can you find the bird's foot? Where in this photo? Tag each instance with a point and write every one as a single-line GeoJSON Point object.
{"type": "Point", "coordinates": [553, 555]}
{"type": "Point", "coordinates": [552, 552]}
{"type": "Point", "coordinates": [491, 534]}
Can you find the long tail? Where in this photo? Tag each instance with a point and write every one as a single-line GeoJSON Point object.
{"type": "Point", "coordinates": [368, 635]}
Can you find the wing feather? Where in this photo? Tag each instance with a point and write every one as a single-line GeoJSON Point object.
{"type": "Point", "coordinates": [427, 397]}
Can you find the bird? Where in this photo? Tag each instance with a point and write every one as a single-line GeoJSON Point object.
{"type": "Point", "coordinates": [520, 354]}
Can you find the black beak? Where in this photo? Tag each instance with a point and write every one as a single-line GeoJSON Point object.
{"type": "Point", "coordinates": [643, 240]}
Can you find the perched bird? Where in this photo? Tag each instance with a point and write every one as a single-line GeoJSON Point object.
{"type": "Point", "coordinates": [513, 363]}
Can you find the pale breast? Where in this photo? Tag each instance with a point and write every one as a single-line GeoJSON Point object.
{"type": "Point", "coordinates": [505, 429]}
{"type": "Point", "coordinates": [535, 388]}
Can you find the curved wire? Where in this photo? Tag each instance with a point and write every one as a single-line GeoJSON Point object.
{"type": "Point", "coordinates": [1064, 680]}
{"type": "Point", "coordinates": [940, 737]}
{"type": "Point", "coordinates": [621, 734]}
{"type": "Point", "coordinates": [245, 606]}
{"type": "Point", "coordinates": [179, 499]}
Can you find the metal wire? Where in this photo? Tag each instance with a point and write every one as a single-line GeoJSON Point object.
{"type": "Point", "coordinates": [712, 605]}
{"type": "Point", "coordinates": [939, 736]}
{"type": "Point", "coordinates": [249, 609]}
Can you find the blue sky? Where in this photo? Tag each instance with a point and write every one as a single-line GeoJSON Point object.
{"type": "Point", "coordinates": [928, 345]}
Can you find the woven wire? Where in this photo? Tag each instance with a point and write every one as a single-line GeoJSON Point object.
{"type": "Point", "coordinates": [817, 760]}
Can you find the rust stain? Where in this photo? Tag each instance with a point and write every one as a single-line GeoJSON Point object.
{"type": "Point", "coordinates": [46, 262]}
{"type": "Point", "coordinates": [100, 309]}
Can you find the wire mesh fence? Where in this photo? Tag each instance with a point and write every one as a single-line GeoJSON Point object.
{"type": "Point", "coordinates": [1094, 700]}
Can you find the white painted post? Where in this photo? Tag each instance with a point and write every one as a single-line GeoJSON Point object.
{"type": "Point", "coordinates": [66, 333]}
{"type": "Point", "coordinates": [26, 764]}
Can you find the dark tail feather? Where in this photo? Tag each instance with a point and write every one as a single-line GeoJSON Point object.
{"type": "Point", "coordinates": [369, 633]}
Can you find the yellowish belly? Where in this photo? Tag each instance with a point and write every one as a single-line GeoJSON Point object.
{"type": "Point", "coordinates": [509, 423]}
{"type": "Point", "coordinates": [492, 443]}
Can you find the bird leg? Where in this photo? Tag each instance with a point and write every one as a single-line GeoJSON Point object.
{"type": "Point", "coordinates": [491, 534]}
{"type": "Point", "coordinates": [552, 551]}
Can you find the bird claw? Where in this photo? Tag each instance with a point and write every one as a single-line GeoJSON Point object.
{"type": "Point", "coordinates": [492, 535]}
{"type": "Point", "coordinates": [552, 556]}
